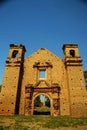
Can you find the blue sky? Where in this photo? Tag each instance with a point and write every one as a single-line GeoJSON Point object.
{"type": "Point", "coordinates": [43, 23]}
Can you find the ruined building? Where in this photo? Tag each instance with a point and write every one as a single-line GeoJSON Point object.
{"type": "Point", "coordinates": [63, 82]}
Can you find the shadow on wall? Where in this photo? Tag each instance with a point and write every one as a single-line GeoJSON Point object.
{"type": "Point", "coordinates": [0, 87]}
{"type": "Point", "coordinates": [41, 113]}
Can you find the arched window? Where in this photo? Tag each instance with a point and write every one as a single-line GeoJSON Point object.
{"type": "Point", "coordinates": [72, 53]}
{"type": "Point", "coordinates": [15, 54]}
{"type": "Point", "coordinates": [42, 105]}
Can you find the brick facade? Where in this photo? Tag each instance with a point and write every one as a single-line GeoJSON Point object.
{"type": "Point", "coordinates": [63, 84]}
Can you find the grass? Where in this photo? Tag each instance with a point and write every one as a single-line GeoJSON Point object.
{"type": "Point", "coordinates": [36, 122]}
{"type": "Point", "coordinates": [65, 121]}
{"type": "Point", "coordinates": [43, 109]}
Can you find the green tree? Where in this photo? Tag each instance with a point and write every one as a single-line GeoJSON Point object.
{"type": "Point", "coordinates": [47, 101]}
{"type": "Point", "coordinates": [37, 101]}
{"type": "Point", "coordinates": [85, 76]}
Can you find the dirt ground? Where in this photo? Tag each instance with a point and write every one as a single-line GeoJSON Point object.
{"type": "Point", "coordinates": [67, 128]}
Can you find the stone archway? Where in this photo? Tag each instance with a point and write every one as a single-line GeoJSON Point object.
{"type": "Point", "coordinates": [52, 93]}
{"type": "Point", "coordinates": [42, 105]}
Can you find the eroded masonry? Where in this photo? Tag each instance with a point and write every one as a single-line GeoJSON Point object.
{"type": "Point", "coordinates": [43, 73]}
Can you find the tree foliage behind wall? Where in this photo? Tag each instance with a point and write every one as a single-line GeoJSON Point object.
{"type": "Point", "coordinates": [85, 75]}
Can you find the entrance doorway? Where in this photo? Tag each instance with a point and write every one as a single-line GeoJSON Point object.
{"type": "Point", "coordinates": [42, 105]}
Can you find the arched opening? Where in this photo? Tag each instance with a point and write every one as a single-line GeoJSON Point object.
{"type": "Point", "coordinates": [42, 105]}
{"type": "Point", "coordinates": [15, 54]}
{"type": "Point", "coordinates": [72, 53]}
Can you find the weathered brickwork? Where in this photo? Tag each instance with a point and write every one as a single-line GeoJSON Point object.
{"type": "Point", "coordinates": [63, 83]}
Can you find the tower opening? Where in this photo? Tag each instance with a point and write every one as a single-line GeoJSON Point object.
{"type": "Point", "coordinates": [72, 53]}
{"type": "Point", "coordinates": [15, 54]}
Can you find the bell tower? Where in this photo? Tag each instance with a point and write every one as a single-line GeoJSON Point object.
{"type": "Point", "coordinates": [11, 85]}
{"type": "Point", "coordinates": [71, 54]}
{"type": "Point", "coordinates": [75, 80]}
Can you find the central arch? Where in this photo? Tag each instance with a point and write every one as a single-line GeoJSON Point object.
{"type": "Point", "coordinates": [42, 104]}
{"type": "Point", "coordinates": [34, 100]}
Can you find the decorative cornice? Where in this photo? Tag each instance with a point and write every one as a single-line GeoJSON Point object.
{"type": "Point", "coordinates": [42, 64]}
